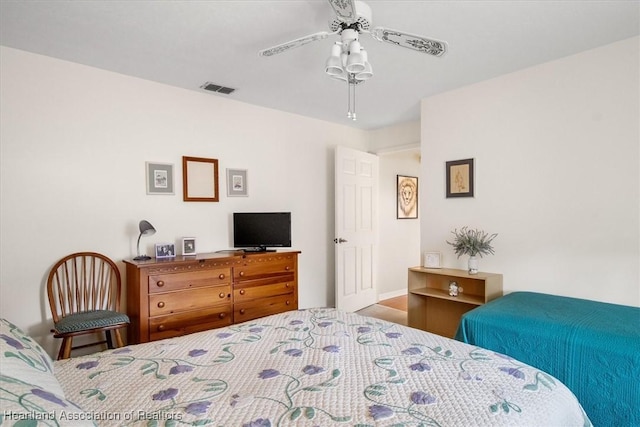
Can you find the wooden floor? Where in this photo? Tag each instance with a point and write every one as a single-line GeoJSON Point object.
{"type": "Point", "coordinates": [399, 303]}
{"type": "Point", "coordinates": [392, 310]}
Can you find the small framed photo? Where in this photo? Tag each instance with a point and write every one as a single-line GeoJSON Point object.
{"type": "Point", "coordinates": [165, 250]}
{"type": "Point", "coordinates": [237, 183]}
{"type": "Point", "coordinates": [159, 178]}
{"type": "Point", "coordinates": [460, 178]}
{"type": "Point", "coordinates": [432, 260]}
{"type": "Point", "coordinates": [407, 201]}
{"type": "Point", "coordinates": [188, 246]}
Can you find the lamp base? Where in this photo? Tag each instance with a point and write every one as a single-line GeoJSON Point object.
{"type": "Point", "coordinates": [142, 258]}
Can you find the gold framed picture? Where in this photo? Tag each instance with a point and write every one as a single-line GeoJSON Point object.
{"type": "Point", "coordinates": [460, 182]}
{"type": "Point", "coordinates": [407, 197]}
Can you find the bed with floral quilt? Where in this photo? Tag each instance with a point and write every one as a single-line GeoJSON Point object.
{"type": "Point", "coordinates": [315, 367]}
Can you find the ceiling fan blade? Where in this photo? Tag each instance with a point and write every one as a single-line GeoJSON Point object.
{"type": "Point", "coordinates": [294, 43]}
{"type": "Point", "coordinates": [345, 10]}
{"type": "Point", "coordinates": [410, 41]}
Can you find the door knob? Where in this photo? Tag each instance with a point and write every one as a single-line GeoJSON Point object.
{"type": "Point", "coordinates": [340, 240]}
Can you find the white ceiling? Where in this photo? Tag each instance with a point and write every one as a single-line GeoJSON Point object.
{"type": "Point", "coordinates": [186, 43]}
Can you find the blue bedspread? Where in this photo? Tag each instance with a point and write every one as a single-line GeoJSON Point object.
{"type": "Point", "coordinates": [593, 347]}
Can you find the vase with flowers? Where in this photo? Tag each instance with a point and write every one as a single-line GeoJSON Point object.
{"type": "Point", "coordinates": [472, 242]}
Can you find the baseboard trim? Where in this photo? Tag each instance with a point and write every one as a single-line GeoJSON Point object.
{"type": "Point", "coordinates": [392, 294]}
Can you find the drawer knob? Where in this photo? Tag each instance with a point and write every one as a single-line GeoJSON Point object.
{"type": "Point", "coordinates": [288, 302]}
{"type": "Point", "coordinates": [222, 315]}
{"type": "Point", "coordinates": [222, 295]}
{"type": "Point", "coordinates": [287, 268]}
{"type": "Point", "coordinates": [242, 311]}
{"type": "Point", "coordinates": [221, 276]}
{"type": "Point", "coordinates": [242, 274]}
{"type": "Point", "coordinates": [242, 291]}
{"type": "Point", "coordinates": [161, 328]}
{"type": "Point", "coordinates": [286, 285]}
{"type": "Point", "coordinates": [160, 283]}
{"type": "Point", "coordinates": [160, 304]}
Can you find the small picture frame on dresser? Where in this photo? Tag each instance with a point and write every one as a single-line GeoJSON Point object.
{"type": "Point", "coordinates": [188, 246]}
{"type": "Point", "coordinates": [165, 250]}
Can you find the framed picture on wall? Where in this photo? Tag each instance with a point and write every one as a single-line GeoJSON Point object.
{"type": "Point", "coordinates": [199, 179]}
{"type": "Point", "coordinates": [237, 183]}
{"type": "Point", "coordinates": [159, 178]}
{"type": "Point", "coordinates": [407, 197]}
{"type": "Point", "coordinates": [460, 182]}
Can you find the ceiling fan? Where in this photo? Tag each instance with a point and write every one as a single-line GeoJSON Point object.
{"type": "Point", "coordinates": [349, 60]}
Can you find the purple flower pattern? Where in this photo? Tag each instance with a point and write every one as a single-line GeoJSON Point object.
{"type": "Point", "coordinates": [422, 398]}
{"type": "Point", "coordinates": [331, 349]}
{"type": "Point", "coordinates": [87, 365]}
{"type": "Point", "coordinates": [420, 367]}
{"type": "Point", "coordinates": [12, 342]}
{"type": "Point", "coordinates": [197, 352]}
{"type": "Point", "coordinates": [197, 408]}
{"type": "Point", "coordinates": [268, 373]}
{"type": "Point", "coordinates": [312, 369]}
{"type": "Point", "coordinates": [380, 412]}
{"type": "Point", "coordinates": [514, 372]}
{"type": "Point", "coordinates": [180, 369]}
{"type": "Point", "coordinates": [166, 394]}
{"type": "Point", "coordinates": [48, 396]}
{"type": "Point", "coordinates": [411, 351]}
{"type": "Point", "coordinates": [293, 352]}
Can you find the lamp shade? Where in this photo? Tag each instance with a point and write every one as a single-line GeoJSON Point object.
{"type": "Point", "coordinates": [146, 228]}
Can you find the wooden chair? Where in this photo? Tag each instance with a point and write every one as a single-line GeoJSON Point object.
{"type": "Point", "coordinates": [84, 296]}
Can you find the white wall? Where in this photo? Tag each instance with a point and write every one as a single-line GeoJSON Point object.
{"type": "Point", "coordinates": [74, 142]}
{"type": "Point", "coordinates": [557, 173]}
{"type": "Point", "coordinates": [399, 246]}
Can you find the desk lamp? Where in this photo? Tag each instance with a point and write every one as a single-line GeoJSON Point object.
{"type": "Point", "coordinates": [145, 229]}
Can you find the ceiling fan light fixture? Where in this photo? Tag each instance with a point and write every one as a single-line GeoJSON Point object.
{"type": "Point", "coordinates": [367, 73]}
{"type": "Point", "coordinates": [333, 66]}
{"type": "Point", "coordinates": [355, 61]}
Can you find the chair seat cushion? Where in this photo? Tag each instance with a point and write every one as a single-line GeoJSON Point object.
{"type": "Point", "coordinates": [90, 320]}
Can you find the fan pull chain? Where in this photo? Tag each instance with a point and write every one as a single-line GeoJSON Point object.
{"type": "Point", "coordinates": [351, 96]}
{"type": "Point", "coordinates": [348, 98]}
{"type": "Point", "coordinates": [353, 115]}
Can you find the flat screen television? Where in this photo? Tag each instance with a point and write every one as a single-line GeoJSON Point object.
{"type": "Point", "coordinates": [257, 231]}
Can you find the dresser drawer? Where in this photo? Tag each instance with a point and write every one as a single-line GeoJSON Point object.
{"type": "Point", "coordinates": [263, 307]}
{"type": "Point", "coordinates": [192, 299]}
{"type": "Point", "coordinates": [188, 280]}
{"type": "Point", "coordinates": [275, 266]}
{"type": "Point", "coordinates": [252, 290]}
{"type": "Point", "coordinates": [188, 322]}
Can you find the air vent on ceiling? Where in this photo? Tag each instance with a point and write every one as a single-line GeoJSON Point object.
{"type": "Point", "coordinates": [212, 87]}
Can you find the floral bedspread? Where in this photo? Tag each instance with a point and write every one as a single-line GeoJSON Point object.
{"type": "Point", "coordinates": [316, 367]}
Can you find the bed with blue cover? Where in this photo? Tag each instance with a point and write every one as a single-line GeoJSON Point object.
{"type": "Point", "coordinates": [592, 347]}
{"type": "Point", "coordinates": [317, 367]}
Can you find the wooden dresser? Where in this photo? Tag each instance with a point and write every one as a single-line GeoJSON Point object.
{"type": "Point", "coordinates": [178, 296]}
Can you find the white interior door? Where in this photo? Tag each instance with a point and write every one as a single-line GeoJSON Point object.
{"type": "Point", "coordinates": [356, 221]}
